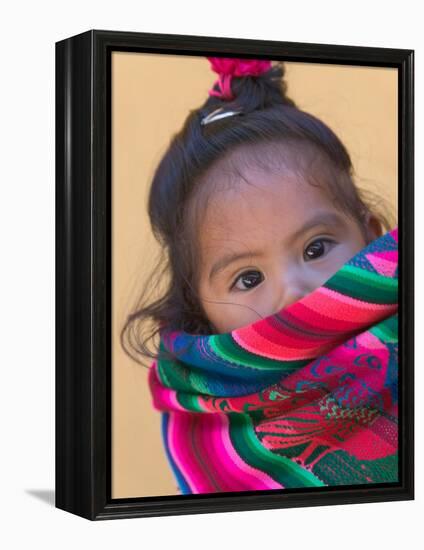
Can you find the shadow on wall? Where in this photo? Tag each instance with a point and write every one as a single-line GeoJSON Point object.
{"type": "Point", "coordinates": [46, 495]}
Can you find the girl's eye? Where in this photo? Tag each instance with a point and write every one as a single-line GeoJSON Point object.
{"type": "Point", "coordinates": [317, 249]}
{"type": "Point", "coordinates": [249, 278]}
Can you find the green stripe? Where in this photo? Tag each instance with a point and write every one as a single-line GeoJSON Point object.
{"type": "Point", "coordinates": [306, 420]}
{"type": "Point", "coordinates": [226, 348]}
{"type": "Point", "coordinates": [364, 285]}
{"type": "Point", "coordinates": [189, 402]}
{"type": "Point", "coordinates": [387, 330]}
{"type": "Point", "coordinates": [250, 449]}
{"type": "Point", "coordinates": [374, 278]}
{"type": "Point", "coordinates": [174, 375]}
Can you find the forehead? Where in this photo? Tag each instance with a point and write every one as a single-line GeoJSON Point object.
{"type": "Point", "coordinates": [261, 212]}
{"type": "Point", "coordinates": [263, 190]}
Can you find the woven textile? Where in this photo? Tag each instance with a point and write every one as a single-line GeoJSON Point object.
{"type": "Point", "coordinates": [306, 397]}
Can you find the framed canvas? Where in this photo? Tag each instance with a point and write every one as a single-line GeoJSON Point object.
{"type": "Point", "coordinates": [234, 274]}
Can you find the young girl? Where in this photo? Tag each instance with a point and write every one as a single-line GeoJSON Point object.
{"type": "Point", "coordinates": [281, 301]}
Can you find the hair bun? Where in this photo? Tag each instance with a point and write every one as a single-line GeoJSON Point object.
{"type": "Point", "coordinates": [227, 68]}
{"type": "Point", "coordinates": [265, 88]}
{"type": "Point", "coordinates": [239, 67]}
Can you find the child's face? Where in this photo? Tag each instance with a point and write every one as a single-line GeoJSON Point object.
{"type": "Point", "coordinates": [265, 246]}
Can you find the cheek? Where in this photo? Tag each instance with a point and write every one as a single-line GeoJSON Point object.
{"type": "Point", "coordinates": [219, 316]}
{"type": "Point", "coordinates": [343, 253]}
{"type": "Point", "coordinates": [354, 247]}
{"type": "Point", "coordinates": [319, 272]}
{"type": "Point", "coordinates": [208, 300]}
{"type": "Point", "coordinates": [226, 314]}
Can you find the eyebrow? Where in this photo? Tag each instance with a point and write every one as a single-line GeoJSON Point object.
{"type": "Point", "coordinates": [326, 218]}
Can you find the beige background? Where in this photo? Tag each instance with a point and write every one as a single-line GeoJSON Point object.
{"type": "Point", "coordinates": [151, 96]}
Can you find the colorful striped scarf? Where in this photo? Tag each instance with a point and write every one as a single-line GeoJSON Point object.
{"type": "Point", "coordinates": [306, 397]}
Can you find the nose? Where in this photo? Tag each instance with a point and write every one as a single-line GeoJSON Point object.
{"type": "Point", "coordinates": [292, 295]}
{"type": "Point", "coordinates": [291, 289]}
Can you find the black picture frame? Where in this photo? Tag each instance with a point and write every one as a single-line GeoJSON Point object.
{"type": "Point", "coordinates": [83, 264]}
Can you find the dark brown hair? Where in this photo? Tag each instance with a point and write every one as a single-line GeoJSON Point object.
{"type": "Point", "coordinates": [181, 186]}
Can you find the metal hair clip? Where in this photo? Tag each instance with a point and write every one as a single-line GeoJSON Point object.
{"type": "Point", "coordinates": [217, 114]}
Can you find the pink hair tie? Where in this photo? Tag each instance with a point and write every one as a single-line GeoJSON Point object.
{"type": "Point", "coordinates": [229, 67]}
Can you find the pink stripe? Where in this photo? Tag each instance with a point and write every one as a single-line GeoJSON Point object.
{"type": "Point", "coordinates": [394, 233]}
{"type": "Point", "coordinates": [260, 345]}
{"type": "Point", "coordinates": [272, 331]}
{"type": "Point", "coordinates": [214, 455]}
{"type": "Point", "coordinates": [205, 477]}
{"type": "Point", "coordinates": [341, 307]}
{"type": "Point", "coordinates": [172, 395]}
{"type": "Point", "coordinates": [238, 475]}
{"type": "Point", "coordinates": [181, 453]}
{"type": "Point", "coordinates": [344, 319]}
{"type": "Point", "coordinates": [293, 336]}
{"type": "Point", "coordinates": [163, 398]}
{"type": "Point", "coordinates": [323, 319]}
{"type": "Point", "coordinates": [252, 478]}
